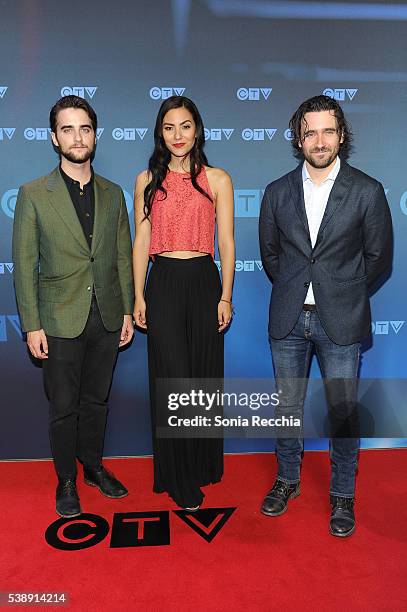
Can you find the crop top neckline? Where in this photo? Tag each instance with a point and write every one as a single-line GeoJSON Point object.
{"type": "Point", "coordinates": [188, 174]}
{"type": "Point", "coordinates": [182, 173]}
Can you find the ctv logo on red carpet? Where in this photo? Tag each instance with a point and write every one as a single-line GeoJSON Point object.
{"type": "Point", "coordinates": [133, 529]}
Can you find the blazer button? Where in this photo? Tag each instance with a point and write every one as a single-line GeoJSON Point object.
{"type": "Point", "coordinates": [92, 259]}
{"type": "Point", "coordinates": [88, 288]}
{"type": "Point", "coordinates": [306, 284]}
{"type": "Point", "coordinates": [312, 260]}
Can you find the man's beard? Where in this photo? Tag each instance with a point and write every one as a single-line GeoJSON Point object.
{"type": "Point", "coordinates": [77, 156]}
{"type": "Point", "coordinates": [321, 163]}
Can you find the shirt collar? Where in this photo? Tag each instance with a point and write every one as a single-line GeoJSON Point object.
{"type": "Point", "coordinates": [331, 176]}
{"type": "Point", "coordinates": [70, 181]}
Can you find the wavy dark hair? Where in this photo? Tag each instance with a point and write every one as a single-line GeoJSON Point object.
{"type": "Point", "coordinates": [72, 102]}
{"type": "Point", "coordinates": [160, 158]}
{"type": "Point", "coordinates": [317, 104]}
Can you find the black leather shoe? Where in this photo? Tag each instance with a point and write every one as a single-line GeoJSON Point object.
{"type": "Point", "coordinates": [342, 522]}
{"type": "Point", "coordinates": [105, 482]}
{"type": "Point", "coordinates": [67, 498]}
{"type": "Point", "coordinates": [275, 502]}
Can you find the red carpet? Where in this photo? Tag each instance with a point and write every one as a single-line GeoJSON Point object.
{"type": "Point", "coordinates": [253, 563]}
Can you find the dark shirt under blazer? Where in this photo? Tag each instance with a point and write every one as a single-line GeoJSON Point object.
{"type": "Point", "coordinates": [352, 251]}
{"type": "Point", "coordinates": [83, 199]}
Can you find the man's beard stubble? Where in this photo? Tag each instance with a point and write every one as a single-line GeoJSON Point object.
{"type": "Point", "coordinates": [309, 157]}
{"type": "Point", "coordinates": [77, 159]}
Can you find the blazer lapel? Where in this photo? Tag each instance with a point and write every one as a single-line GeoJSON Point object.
{"type": "Point", "coordinates": [102, 209]}
{"type": "Point", "coordinates": [340, 188]}
{"type": "Point", "coordinates": [61, 202]}
{"type": "Point", "coordinates": [297, 195]}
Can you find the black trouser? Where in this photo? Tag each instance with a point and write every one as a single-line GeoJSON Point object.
{"type": "Point", "coordinates": [77, 378]}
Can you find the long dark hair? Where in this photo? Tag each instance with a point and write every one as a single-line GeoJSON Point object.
{"type": "Point", "coordinates": [159, 160]}
{"type": "Point", "coordinates": [317, 104]}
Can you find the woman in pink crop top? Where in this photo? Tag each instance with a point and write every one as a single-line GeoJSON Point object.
{"type": "Point", "coordinates": [184, 307]}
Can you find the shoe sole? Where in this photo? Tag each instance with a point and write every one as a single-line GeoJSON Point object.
{"type": "Point", "coordinates": [92, 484]}
{"type": "Point", "coordinates": [292, 496]}
{"type": "Point", "coordinates": [343, 535]}
{"type": "Point", "coordinates": [68, 515]}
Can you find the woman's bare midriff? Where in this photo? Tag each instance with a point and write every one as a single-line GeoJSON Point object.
{"type": "Point", "coordinates": [182, 254]}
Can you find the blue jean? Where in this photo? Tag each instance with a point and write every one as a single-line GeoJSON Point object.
{"type": "Point", "coordinates": [339, 367]}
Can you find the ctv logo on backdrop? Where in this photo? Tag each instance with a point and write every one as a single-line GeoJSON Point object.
{"type": "Point", "coordinates": [39, 133]}
{"type": "Point", "coordinates": [384, 328]}
{"type": "Point", "coordinates": [340, 94]}
{"type": "Point", "coordinates": [403, 203]}
{"type": "Point", "coordinates": [6, 268]}
{"type": "Point", "coordinates": [78, 90]}
{"type": "Point", "coordinates": [247, 202]}
{"type": "Point", "coordinates": [246, 265]}
{"type": "Point", "coordinates": [129, 133]}
{"type": "Point", "coordinates": [9, 323]}
{"type": "Point", "coordinates": [218, 133]}
{"type": "Point", "coordinates": [42, 133]}
{"type": "Point", "coordinates": [8, 202]}
{"type": "Point", "coordinates": [7, 133]}
{"type": "Point", "coordinates": [253, 94]}
{"type": "Point", "coordinates": [162, 93]}
{"type": "Point", "coordinates": [258, 133]}
{"type": "Point", "coordinates": [3, 90]}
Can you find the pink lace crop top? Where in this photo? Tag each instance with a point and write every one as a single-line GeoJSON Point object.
{"type": "Point", "coordinates": [185, 219]}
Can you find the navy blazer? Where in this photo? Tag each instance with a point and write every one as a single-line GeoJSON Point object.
{"type": "Point", "coordinates": [352, 251]}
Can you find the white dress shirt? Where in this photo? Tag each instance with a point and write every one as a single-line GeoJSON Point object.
{"type": "Point", "coordinates": [316, 198]}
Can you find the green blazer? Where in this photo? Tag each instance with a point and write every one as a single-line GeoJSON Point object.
{"type": "Point", "coordinates": [54, 269]}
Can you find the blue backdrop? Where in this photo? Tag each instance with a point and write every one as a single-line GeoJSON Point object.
{"type": "Point", "coordinates": [247, 65]}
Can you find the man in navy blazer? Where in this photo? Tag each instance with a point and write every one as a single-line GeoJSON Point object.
{"type": "Point", "coordinates": [326, 242]}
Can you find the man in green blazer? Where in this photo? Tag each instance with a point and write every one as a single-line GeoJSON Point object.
{"type": "Point", "coordinates": [74, 287]}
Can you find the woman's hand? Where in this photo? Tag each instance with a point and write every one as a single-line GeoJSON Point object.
{"type": "Point", "coordinates": [139, 313]}
{"type": "Point", "coordinates": [225, 313]}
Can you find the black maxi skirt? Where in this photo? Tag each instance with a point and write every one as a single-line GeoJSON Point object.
{"type": "Point", "coordinates": [182, 296]}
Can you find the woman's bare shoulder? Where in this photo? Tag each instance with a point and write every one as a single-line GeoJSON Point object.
{"type": "Point", "coordinates": [218, 174]}
{"type": "Point", "coordinates": [143, 178]}
{"type": "Point", "coordinates": [218, 178]}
